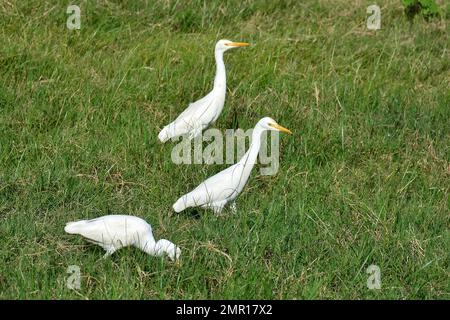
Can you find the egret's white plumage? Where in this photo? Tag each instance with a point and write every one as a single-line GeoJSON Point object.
{"type": "Point", "coordinates": [225, 186]}
{"type": "Point", "coordinates": [113, 232]}
{"type": "Point", "coordinates": [200, 114]}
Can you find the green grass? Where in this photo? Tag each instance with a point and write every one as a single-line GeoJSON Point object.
{"type": "Point", "coordinates": [364, 179]}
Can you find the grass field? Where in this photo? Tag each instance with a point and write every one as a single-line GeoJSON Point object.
{"type": "Point", "coordinates": [365, 178]}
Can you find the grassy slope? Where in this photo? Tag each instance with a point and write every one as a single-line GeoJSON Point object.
{"type": "Point", "coordinates": [364, 180]}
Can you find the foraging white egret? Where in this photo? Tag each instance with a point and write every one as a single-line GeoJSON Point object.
{"type": "Point", "coordinates": [200, 114]}
{"type": "Point", "coordinates": [113, 232]}
{"type": "Point", "coordinates": [225, 186]}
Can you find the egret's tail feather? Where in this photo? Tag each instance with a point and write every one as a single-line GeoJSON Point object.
{"type": "Point", "coordinates": [180, 205]}
{"type": "Point", "coordinates": [74, 227]}
{"type": "Point", "coordinates": [163, 136]}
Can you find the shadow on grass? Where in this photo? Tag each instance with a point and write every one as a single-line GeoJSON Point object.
{"type": "Point", "coordinates": [193, 213]}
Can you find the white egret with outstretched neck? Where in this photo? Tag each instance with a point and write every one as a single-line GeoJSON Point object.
{"type": "Point", "coordinates": [113, 232]}
{"type": "Point", "coordinates": [223, 188]}
{"type": "Point", "coordinates": [200, 114]}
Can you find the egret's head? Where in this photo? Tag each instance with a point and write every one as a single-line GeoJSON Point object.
{"type": "Point", "coordinates": [167, 247]}
{"type": "Point", "coordinates": [268, 123]}
{"type": "Point", "coordinates": [224, 45]}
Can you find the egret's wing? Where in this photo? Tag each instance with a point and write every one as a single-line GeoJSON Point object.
{"type": "Point", "coordinates": [198, 107]}
{"type": "Point", "coordinates": [96, 230]}
{"type": "Point", "coordinates": [196, 117]}
{"type": "Point", "coordinates": [110, 228]}
{"type": "Point", "coordinates": [198, 113]}
{"type": "Point", "coordinates": [219, 187]}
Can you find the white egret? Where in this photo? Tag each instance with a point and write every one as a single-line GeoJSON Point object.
{"type": "Point", "coordinates": [225, 186]}
{"type": "Point", "coordinates": [113, 232]}
{"type": "Point", "coordinates": [200, 114]}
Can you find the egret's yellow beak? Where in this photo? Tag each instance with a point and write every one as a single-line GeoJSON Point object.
{"type": "Point", "coordinates": [237, 44]}
{"type": "Point", "coordinates": [280, 128]}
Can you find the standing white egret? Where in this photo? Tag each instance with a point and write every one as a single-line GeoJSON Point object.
{"type": "Point", "coordinates": [225, 186]}
{"type": "Point", "coordinates": [113, 232]}
{"type": "Point", "coordinates": [200, 114]}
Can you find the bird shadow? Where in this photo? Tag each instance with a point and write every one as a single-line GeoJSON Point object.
{"type": "Point", "coordinates": [193, 213]}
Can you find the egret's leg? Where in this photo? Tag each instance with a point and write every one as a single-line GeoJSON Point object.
{"type": "Point", "coordinates": [217, 207]}
{"type": "Point", "coordinates": [109, 251]}
{"type": "Point", "coordinates": [233, 207]}
{"type": "Point", "coordinates": [195, 132]}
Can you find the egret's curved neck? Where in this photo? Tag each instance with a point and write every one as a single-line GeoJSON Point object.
{"type": "Point", "coordinates": [220, 81]}
{"type": "Point", "coordinates": [154, 248]}
{"type": "Point", "coordinates": [249, 159]}
{"type": "Point", "coordinates": [148, 245]}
